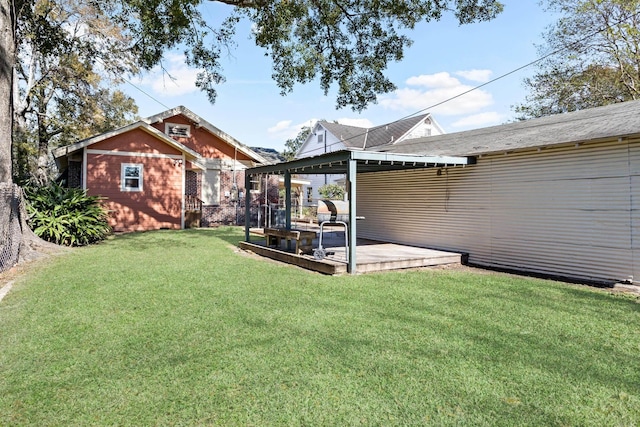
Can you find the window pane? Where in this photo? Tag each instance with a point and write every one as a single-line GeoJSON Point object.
{"type": "Point", "coordinates": [132, 171]}
{"type": "Point", "coordinates": [131, 182]}
{"type": "Point", "coordinates": [131, 177]}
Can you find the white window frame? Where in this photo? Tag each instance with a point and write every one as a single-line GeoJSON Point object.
{"type": "Point", "coordinates": [255, 184]}
{"type": "Point", "coordinates": [123, 177]}
{"type": "Point", "coordinates": [169, 126]}
{"type": "Point", "coordinates": [210, 187]}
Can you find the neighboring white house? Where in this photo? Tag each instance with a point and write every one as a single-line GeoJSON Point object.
{"type": "Point", "coordinates": [327, 137]}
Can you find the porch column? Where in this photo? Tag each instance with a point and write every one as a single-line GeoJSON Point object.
{"type": "Point", "coordinates": [287, 204]}
{"type": "Point", "coordinates": [247, 204]}
{"type": "Point", "coordinates": [352, 169]}
{"type": "Point", "coordinates": [287, 199]}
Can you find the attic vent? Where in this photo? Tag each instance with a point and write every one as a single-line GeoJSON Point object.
{"type": "Point", "coordinates": [320, 138]}
{"type": "Point", "coordinates": [178, 130]}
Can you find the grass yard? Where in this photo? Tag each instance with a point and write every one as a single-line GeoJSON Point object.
{"type": "Point", "coordinates": [176, 328]}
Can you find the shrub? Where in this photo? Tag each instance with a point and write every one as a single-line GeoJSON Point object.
{"type": "Point", "coordinates": [331, 192]}
{"type": "Point", "coordinates": [66, 216]}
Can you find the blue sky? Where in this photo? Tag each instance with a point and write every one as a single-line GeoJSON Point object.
{"type": "Point", "coordinates": [446, 59]}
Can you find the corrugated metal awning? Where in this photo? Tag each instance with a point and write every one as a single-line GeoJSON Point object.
{"type": "Point", "coordinates": [367, 161]}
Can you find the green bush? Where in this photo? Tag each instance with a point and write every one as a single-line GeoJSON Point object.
{"type": "Point", "coordinates": [331, 192]}
{"type": "Point", "coordinates": [66, 216]}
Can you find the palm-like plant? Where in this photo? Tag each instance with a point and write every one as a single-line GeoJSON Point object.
{"type": "Point", "coordinates": [66, 216]}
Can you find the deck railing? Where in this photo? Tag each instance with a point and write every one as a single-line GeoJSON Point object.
{"type": "Point", "coordinates": [192, 203]}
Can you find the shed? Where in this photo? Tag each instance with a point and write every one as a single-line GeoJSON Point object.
{"type": "Point", "coordinates": [557, 196]}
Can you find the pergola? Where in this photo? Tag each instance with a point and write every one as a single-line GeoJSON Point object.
{"type": "Point", "coordinates": [349, 163]}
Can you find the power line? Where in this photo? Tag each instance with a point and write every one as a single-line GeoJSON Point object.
{"type": "Point", "coordinates": [502, 76]}
{"type": "Point", "coordinates": [542, 58]}
{"type": "Point", "coordinates": [147, 94]}
{"type": "Point", "coordinates": [134, 86]}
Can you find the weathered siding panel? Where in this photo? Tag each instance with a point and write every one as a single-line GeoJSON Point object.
{"type": "Point", "coordinates": [634, 185]}
{"type": "Point", "coordinates": [564, 211]}
{"type": "Point", "coordinates": [137, 141]}
{"type": "Point", "coordinates": [159, 205]}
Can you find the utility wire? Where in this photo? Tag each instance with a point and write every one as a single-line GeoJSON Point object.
{"type": "Point", "coordinates": [145, 93]}
{"type": "Point", "coordinates": [134, 86]}
{"type": "Point", "coordinates": [542, 58]}
{"type": "Point", "coordinates": [502, 76]}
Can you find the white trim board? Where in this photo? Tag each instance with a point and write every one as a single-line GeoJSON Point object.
{"type": "Point", "coordinates": [136, 154]}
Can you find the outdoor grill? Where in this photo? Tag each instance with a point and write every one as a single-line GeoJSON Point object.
{"type": "Point", "coordinates": [333, 212]}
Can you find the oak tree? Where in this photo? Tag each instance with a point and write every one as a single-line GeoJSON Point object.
{"type": "Point", "coordinates": [292, 145]}
{"type": "Point", "coordinates": [341, 43]}
{"type": "Point", "coordinates": [594, 60]}
{"type": "Point", "coordinates": [68, 54]}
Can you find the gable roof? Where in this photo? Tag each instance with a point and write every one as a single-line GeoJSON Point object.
{"type": "Point", "coordinates": [69, 149]}
{"type": "Point", "coordinates": [350, 136]}
{"type": "Point", "coordinates": [612, 121]}
{"type": "Point", "coordinates": [364, 138]}
{"type": "Point", "coordinates": [199, 121]}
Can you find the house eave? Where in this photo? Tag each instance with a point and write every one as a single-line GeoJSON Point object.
{"type": "Point", "coordinates": [202, 123]}
{"type": "Point", "coordinates": [70, 149]}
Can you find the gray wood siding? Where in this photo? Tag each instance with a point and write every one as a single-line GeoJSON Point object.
{"type": "Point", "coordinates": [570, 211]}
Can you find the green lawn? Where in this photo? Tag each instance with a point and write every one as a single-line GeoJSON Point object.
{"type": "Point", "coordinates": [178, 328]}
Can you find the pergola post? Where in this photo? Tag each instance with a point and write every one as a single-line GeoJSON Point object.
{"type": "Point", "coordinates": [287, 204]}
{"type": "Point", "coordinates": [247, 205]}
{"type": "Point", "coordinates": [352, 171]}
{"type": "Point", "coordinates": [287, 199]}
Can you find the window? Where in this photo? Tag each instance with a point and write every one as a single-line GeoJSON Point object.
{"type": "Point", "coordinates": [309, 194]}
{"type": "Point", "coordinates": [211, 187]}
{"type": "Point", "coordinates": [177, 130]}
{"type": "Point", "coordinates": [320, 138]}
{"type": "Point", "coordinates": [254, 184]}
{"type": "Point", "coordinates": [131, 177]}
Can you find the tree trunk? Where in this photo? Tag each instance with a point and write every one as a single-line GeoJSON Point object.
{"type": "Point", "coordinates": [17, 242]}
{"type": "Point", "coordinates": [42, 170]}
{"type": "Point", "coordinates": [7, 62]}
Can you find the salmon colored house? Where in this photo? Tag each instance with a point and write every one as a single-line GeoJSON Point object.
{"type": "Point", "coordinates": [172, 170]}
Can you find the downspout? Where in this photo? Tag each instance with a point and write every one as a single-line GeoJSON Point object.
{"type": "Point", "coordinates": [234, 185]}
{"type": "Point", "coordinates": [325, 150]}
{"type": "Point", "coordinates": [84, 168]}
{"type": "Point", "coordinates": [183, 168]}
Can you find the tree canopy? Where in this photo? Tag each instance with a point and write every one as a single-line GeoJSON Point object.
{"type": "Point", "coordinates": [68, 53]}
{"type": "Point", "coordinates": [291, 146]}
{"type": "Point", "coordinates": [341, 44]}
{"type": "Point", "coordinates": [595, 58]}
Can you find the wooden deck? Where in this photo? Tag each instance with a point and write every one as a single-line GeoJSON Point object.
{"type": "Point", "coordinates": [370, 255]}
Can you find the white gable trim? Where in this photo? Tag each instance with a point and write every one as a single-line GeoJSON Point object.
{"type": "Point", "coordinates": [135, 154]}
{"type": "Point", "coordinates": [199, 122]}
{"type": "Point", "coordinates": [68, 149]}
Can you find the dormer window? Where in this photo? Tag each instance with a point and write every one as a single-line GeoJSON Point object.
{"type": "Point", "coordinates": [177, 130]}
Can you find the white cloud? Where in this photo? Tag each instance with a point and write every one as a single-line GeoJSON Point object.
{"type": "Point", "coordinates": [361, 123]}
{"type": "Point", "coordinates": [481, 76]}
{"type": "Point", "coordinates": [280, 126]}
{"type": "Point", "coordinates": [285, 129]}
{"type": "Point", "coordinates": [178, 79]}
{"type": "Point", "coordinates": [433, 89]}
{"type": "Point", "coordinates": [478, 120]}
{"type": "Point", "coordinates": [438, 80]}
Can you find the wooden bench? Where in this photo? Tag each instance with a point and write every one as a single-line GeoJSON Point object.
{"type": "Point", "coordinates": [303, 238]}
